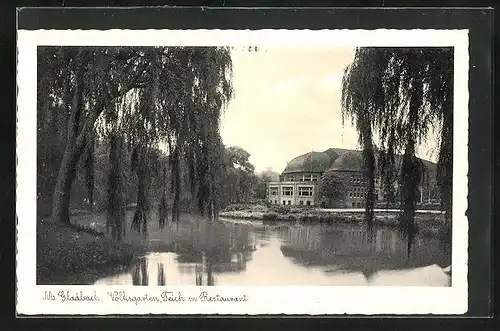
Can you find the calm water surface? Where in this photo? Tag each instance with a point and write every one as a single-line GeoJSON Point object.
{"type": "Point", "coordinates": [250, 253]}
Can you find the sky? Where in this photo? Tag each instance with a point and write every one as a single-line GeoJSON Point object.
{"type": "Point", "coordinates": [287, 102]}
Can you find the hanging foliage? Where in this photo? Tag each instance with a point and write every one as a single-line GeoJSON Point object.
{"type": "Point", "coordinates": [145, 96]}
{"type": "Point", "coordinates": [116, 206]}
{"type": "Point", "coordinates": [396, 96]}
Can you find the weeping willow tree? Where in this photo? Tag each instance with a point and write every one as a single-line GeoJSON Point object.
{"type": "Point", "coordinates": [181, 106]}
{"type": "Point", "coordinates": [396, 97]}
{"type": "Point", "coordinates": [138, 97]}
{"type": "Point", "coordinates": [198, 93]}
{"type": "Point", "coordinates": [87, 80]}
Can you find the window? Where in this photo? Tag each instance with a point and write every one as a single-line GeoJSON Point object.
{"type": "Point", "coordinates": [291, 178]}
{"type": "Point", "coordinates": [289, 202]}
{"type": "Point", "coordinates": [309, 178]}
{"type": "Point", "coordinates": [284, 202]}
{"type": "Point", "coordinates": [308, 203]}
{"type": "Point", "coordinates": [287, 190]}
{"type": "Point", "coordinates": [276, 201]}
{"type": "Point", "coordinates": [274, 190]}
{"type": "Point", "coordinates": [350, 194]}
{"type": "Point", "coordinates": [301, 202]}
{"type": "Point", "coordinates": [305, 191]}
{"type": "Point", "coordinates": [354, 204]}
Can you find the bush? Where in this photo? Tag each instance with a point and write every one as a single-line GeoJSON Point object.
{"type": "Point", "coordinates": [280, 209]}
{"type": "Point", "coordinates": [270, 217]}
{"type": "Point", "coordinates": [290, 218]}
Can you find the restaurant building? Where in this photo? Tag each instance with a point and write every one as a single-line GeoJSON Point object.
{"type": "Point", "coordinates": [299, 182]}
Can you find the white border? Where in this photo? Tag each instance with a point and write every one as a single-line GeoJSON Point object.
{"type": "Point", "coordinates": [262, 300]}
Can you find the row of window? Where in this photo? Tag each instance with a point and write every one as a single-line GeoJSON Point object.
{"type": "Point", "coordinates": [303, 178]}
{"type": "Point", "coordinates": [289, 202]}
{"type": "Point", "coordinates": [288, 191]}
{"type": "Point", "coordinates": [361, 180]}
{"type": "Point", "coordinates": [356, 195]}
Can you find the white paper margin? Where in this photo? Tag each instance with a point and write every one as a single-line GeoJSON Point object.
{"type": "Point", "coordinates": [308, 300]}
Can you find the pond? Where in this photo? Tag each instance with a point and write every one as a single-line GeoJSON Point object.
{"type": "Point", "coordinates": [231, 252]}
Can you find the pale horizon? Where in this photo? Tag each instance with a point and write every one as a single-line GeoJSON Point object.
{"type": "Point", "coordinates": [287, 103]}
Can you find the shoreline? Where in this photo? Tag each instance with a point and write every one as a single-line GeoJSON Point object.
{"type": "Point", "coordinates": [68, 254]}
{"type": "Point", "coordinates": [427, 222]}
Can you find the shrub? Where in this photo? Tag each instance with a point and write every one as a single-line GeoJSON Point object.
{"type": "Point", "coordinates": [270, 217]}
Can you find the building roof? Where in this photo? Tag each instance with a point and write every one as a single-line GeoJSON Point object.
{"type": "Point", "coordinates": [309, 162]}
{"type": "Point", "coordinates": [348, 161]}
{"type": "Point", "coordinates": [339, 159]}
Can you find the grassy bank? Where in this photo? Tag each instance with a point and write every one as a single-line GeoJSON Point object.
{"type": "Point", "coordinates": [426, 223]}
{"type": "Point", "coordinates": [70, 255]}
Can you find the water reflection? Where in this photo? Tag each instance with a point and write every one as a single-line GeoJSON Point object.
{"type": "Point", "coordinates": [140, 274]}
{"type": "Point", "coordinates": [161, 275]}
{"type": "Point", "coordinates": [358, 250]}
{"type": "Point", "coordinates": [233, 253]}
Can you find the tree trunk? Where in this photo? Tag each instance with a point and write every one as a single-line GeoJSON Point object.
{"type": "Point", "coordinates": [62, 191]}
{"type": "Point", "coordinates": [445, 163]}
{"type": "Point", "coordinates": [116, 215]}
{"type": "Point", "coordinates": [411, 168]}
{"type": "Point", "coordinates": [370, 166]}
{"type": "Point", "coordinates": [163, 203]}
{"type": "Point", "coordinates": [411, 172]}
{"type": "Point", "coordinates": [176, 185]}
{"type": "Point", "coordinates": [88, 164]}
{"type": "Point", "coordinates": [72, 153]}
{"type": "Point", "coordinates": [139, 222]}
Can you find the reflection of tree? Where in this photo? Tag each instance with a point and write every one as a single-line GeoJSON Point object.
{"type": "Point", "coordinates": [216, 248]}
{"type": "Point", "coordinates": [199, 275]}
{"type": "Point", "coordinates": [189, 255]}
{"type": "Point", "coordinates": [210, 273]}
{"type": "Point", "coordinates": [161, 275]}
{"type": "Point", "coordinates": [140, 275]}
{"type": "Point", "coordinates": [358, 249]}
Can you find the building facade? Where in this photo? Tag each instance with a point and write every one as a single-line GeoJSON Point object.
{"type": "Point", "coordinates": [299, 182]}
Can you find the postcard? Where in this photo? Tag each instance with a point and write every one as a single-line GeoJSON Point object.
{"type": "Point", "coordinates": [242, 172]}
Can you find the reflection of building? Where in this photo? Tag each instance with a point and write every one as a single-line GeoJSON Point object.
{"type": "Point", "coordinates": [356, 248]}
{"type": "Point", "coordinates": [347, 241]}
{"type": "Point", "coordinates": [298, 183]}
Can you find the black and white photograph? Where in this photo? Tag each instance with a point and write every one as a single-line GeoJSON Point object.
{"type": "Point", "coordinates": [245, 165]}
